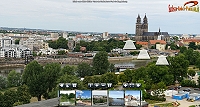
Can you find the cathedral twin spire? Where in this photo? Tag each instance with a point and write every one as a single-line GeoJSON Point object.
{"type": "Point", "coordinates": [144, 19]}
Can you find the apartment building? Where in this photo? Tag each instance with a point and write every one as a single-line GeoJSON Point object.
{"type": "Point", "coordinates": [15, 51]}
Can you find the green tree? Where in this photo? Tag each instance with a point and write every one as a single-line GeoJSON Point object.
{"type": "Point", "coordinates": [122, 78]}
{"type": "Point", "coordinates": [10, 97]}
{"type": "Point", "coordinates": [23, 94]}
{"type": "Point", "coordinates": [183, 49]}
{"type": "Point", "coordinates": [109, 78]}
{"type": "Point", "coordinates": [198, 62]}
{"type": "Point", "coordinates": [173, 46]}
{"type": "Point", "coordinates": [61, 52]}
{"type": "Point", "coordinates": [112, 67]}
{"type": "Point", "coordinates": [70, 70]}
{"type": "Point", "coordinates": [3, 82]}
{"type": "Point", "coordinates": [191, 73]}
{"type": "Point", "coordinates": [158, 89]}
{"type": "Point", "coordinates": [34, 78]}
{"type": "Point", "coordinates": [192, 45]}
{"type": "Point", "coordinates": [14, 79]}
{"type": "Point", "coordinates": [17, 41]}
{"type": "Point", "coordinates": [101, 63]}
{"type": "Point", "coordinates": [129, 75]}
{"type": "Point", "coordinates": [1, 100]}
{"type": "Point", "coordinates": [52, 71]}
{"type": "Point", "coordinates": [84, 69]}
{"type": "Point", "coordinates": [178, 66]}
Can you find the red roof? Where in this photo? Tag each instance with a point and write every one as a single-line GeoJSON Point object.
{"type": "Point", "coordinates": [157, 41]}
{"type": "Point", "coordinates": [191, 40]}
{"type": "Point", "coordinates": [141, 43]}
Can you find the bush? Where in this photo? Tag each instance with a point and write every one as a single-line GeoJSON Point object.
{"type": "Point", "coordinates": [157, 98]}
{"type": "Point", "coordinates": [188, 83]}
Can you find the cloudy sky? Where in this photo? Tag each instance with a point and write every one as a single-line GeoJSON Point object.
{"type": "Point", "coordinates": [97, 17]}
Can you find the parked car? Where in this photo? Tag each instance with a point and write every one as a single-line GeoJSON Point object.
{"type": "Point", "coordinates": [197, 89]}
{"type": "Point", "coordinates": [187, 90]}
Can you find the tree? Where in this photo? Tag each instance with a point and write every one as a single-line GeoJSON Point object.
{"type": "Point", "coordinates": [122, 78]}
{"type": "Point", "coordinates": [191, 73]}
{"type": "Point", "coordinates": [178, 66]}
{"type": "Point", "coordinates": [192, 45]}
{"type": "Point", "coordinates": [158, 89]}
{"type": "Point", "coordinates": [61, 52]}
{"type": "Point", "coordinates": [198, 62]}
{"type": "Point", "coordinates": [183, 49]}
{"type": "Point", "coordinates": [100, 62]}
{"type": "Point", "coordinates": [17, 41]}
{"type": "Point", "coordinates": [52, 73]}
{"type": "Point", "coordinates": [14, 79]}
{"type": "Point", "coordinates": [129, 75]}
{"type": "Point", "coordinates": [84, 69]}
{"type": "Point", "coordinates": [34, 78]}
{"type": "Point", "coordinates": [173, 46]}
{"type": "Point", "coordinates": [23, 94]}
{"type": "Point", "coordinates": [3, 82]}
{"type": "Point", "coordinates": [10, 97]}
{"type": "Point", "coordinates": [70, 70]}
{"type": "Point", "coordinates": [112, 67]}
{"type": "Point", "coordinates": [1, 100]}
{"type": "Point", "coordinates": [109, 78]}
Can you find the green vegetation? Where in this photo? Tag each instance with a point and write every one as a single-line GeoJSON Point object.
{"type": "Point", "coordinates": [42, 81]}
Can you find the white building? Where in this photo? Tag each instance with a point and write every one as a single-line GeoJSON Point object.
{"type": "Point", "coordinates": [16, 51]}
{"type": "Point", "coordinates": [6, 41]}
{"type": "Point", "coordinates": [105, 35]}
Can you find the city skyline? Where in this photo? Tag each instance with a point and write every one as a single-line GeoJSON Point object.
{"type": "Point", "coordinates": [98, 17]}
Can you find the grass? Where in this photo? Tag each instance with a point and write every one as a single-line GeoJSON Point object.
{"type": "Point", "coordinates": [153, 101]}
{"type": "Point", "coordinates": [163, 105]}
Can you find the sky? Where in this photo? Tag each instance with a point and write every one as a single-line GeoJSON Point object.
{"type": "Point", "coordinates": [83, 93]}
{"type": "Point", "coordinates": [99, 92]}
{"type": "Point", "coordinates": [98, 17]}
{"type": "Point", "coordinates": [133, 93]}
{"type": "Point", "coordinates": [116, 94]}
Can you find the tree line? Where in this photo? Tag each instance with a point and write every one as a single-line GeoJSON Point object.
{"type": "Point", "coordinates": [105, 45]}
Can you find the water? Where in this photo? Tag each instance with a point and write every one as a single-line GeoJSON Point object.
{"type": "Point", "coordinates": [135, 63]}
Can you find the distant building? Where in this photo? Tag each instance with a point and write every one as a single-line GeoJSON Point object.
{"type": "Point", "coordinates": [142, 34]}
{"type": "Point", "coordinates": [16, 51]}
{"type": "Point", "coordinates": [144, 44]}
{"type": "Point", "coordinates": [159, 44]}
{"type": "Point", "coordinates": [105, 35]}
{"type": "Point", "coordinates": [71, 44]}
{"type": "Point", "coordinates": [6, 41]}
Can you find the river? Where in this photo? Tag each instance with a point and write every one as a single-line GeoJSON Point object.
{"type": "Point", "coordinates": [136, 63]}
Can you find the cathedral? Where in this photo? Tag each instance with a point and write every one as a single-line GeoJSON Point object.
{"type": "Point", "coordinates": [142, 34]}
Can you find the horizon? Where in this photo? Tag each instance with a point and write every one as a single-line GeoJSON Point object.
{"type": "Point", "coordinates": [98, 17]}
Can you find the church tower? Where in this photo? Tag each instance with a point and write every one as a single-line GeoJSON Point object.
{"type": "Point", "coordinates": [138, 30]}
{"type": "Point", "coordinates": [145, 24]}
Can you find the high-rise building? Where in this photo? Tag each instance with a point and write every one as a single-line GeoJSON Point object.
{"type": "Point", "coordinates": [105, 35]}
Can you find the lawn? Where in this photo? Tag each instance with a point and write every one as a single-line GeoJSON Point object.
{"type": "Point", "coordinates": [162, 105]}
